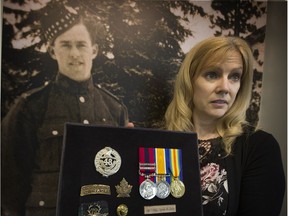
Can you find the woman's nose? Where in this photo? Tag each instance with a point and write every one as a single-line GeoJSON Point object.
{"type": "Point", "coordinates": [223, 86]}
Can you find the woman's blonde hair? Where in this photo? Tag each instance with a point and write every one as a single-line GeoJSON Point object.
{"type": "Point", "coordinates": [178, 116]}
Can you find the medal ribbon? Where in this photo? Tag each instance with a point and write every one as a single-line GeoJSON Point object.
{"type": "Point", "coordinates": [167, 153]}
{"type": "Point", "coordinates": [160, 164]}
{"type": "Point", "coordinates": [176, 163]}
{"type": "Point", "coordinates": [146, 160]}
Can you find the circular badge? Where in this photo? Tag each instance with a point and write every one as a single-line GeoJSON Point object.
{"type": "Point", "coordinates": [107, 161]}
{"type": "Point", "coordinates": [122, 210]}
{"type": "Point", "coordinates": [177, 188]}
{"type": "Point", "coordinates": [148, 189]}
{"type": "Point", "coordinates": [163, 189]}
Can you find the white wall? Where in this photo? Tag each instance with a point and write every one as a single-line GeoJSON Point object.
{"type": "Point", "coordinates": [273, 109]}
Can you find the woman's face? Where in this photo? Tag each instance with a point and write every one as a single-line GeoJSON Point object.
{"type": "Point", "coordinates": [216, 88]}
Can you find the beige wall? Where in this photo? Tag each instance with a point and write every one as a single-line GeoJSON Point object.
{"type": "Point", "coordinates": [273, 109]}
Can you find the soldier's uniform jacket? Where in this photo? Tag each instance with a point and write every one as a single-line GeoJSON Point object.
{"type": "Point", "coordinates": [32, 134]}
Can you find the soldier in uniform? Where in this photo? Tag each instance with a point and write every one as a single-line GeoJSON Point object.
{"type": "Point", "coordinates": [32, 131]}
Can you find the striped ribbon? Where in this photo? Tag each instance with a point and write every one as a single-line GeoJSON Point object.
{"type": "Point", "coordinates": [147, 157]}
{"type": "Point", "coordinates": [168, 161]}
{"type": "Point", "coordinates": [162, 163]}
{"type": "Point", "coordinates": [176, 163]}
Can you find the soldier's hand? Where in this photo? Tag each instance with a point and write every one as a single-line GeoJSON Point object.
{"type": "Point", "coordinates": [130, 125]}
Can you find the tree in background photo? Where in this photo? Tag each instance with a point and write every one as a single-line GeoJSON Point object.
{"type": "Point", "coordinates": [144, 43]}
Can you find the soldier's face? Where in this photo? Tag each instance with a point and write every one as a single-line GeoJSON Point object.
{"type": "Point", "coordinates": [74, 53]}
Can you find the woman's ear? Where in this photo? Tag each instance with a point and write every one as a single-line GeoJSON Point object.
{"type": "Point", "coordinates": [51, 52]}
{"type": "Point", "coordinates": [95, 50]}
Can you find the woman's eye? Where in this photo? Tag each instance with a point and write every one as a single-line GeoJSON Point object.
{"type": "Point", "coordinates": [211, 75]}
{"type": "Point", "coordinates": [235, 77]}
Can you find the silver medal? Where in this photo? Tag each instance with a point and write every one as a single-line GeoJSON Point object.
{"type": "Point", "coordinates": [163, 189]}
{"type": "Point", "coordinates": [148, 189]}
{"type": "Point", "coordinates": [107, 161]}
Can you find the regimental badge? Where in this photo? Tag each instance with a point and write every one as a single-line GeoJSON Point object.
{"type": "Point", "coordinates": [99, 208]}
{"type": "Point", "coordinates": [107, 161]}
{"type": "Point", "coordinates": [124, 189]}
{"type": "Point", "coordinates": [94, 210]}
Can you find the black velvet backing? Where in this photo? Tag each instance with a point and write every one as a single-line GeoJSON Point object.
{"type": "Point", "coordinates": [82, 142]}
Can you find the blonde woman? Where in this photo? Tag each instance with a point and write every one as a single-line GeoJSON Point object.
{"type": "Point", "coordinates": [241, 167]}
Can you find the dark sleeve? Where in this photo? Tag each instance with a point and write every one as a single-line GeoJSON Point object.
{"type": "Point", "coordinates": [115, 106]}
{"type": "Point", "coordinates": [17, 140]}
{"type": "Point", "coordinates": [263, 180]}
{"type": "Point", "coordinates": [124, 115]}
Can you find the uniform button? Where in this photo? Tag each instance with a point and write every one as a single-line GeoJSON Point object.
{"type": "Point", "coordinates": [81, 99]}
{"type": "Point", "coordinates": [55, 132]}
{"type": "Point", "coordinates": [41, 203]}
{"type": "Point", "coordinates": [104, 120]}
{"type": "Point", "coordinates": [86, 121]}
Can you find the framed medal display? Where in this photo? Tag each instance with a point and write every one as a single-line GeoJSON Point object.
{"type": "Point", "coordinates": [128, 171]}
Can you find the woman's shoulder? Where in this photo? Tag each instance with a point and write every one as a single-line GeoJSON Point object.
{"type": "Point", "coordinates": [258, 141]}
{"type": "Point", "coordinates": [259, 134]}
{"type": "Point", "coordinates": [258, 149]}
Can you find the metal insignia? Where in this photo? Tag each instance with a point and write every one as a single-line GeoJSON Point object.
{"type": "Point", "coordinates": [95, 189]}
{"type": "Point", "coordinates": [107, 161]}
{"type": "Point", "coordinates": [124, 189]}
{"type": "Point", "coordinates": [98, 208]}
{"type": "Point", "coordinates": [94, 210]}
{"type": "Point", "coordinates": [122, 210]}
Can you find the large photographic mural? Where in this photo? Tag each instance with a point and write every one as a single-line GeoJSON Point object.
{"type": "Point", "coordinates": [140, 52]}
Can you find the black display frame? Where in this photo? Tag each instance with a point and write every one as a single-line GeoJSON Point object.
{"type": "Point", "coordinates": [82, 142]}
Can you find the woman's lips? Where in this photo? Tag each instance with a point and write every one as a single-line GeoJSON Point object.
{"type": "Point", "coordinates": [219, 102]}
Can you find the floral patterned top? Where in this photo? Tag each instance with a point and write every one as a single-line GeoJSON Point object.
{"type": "Point", "coordinates": [213, 173]}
